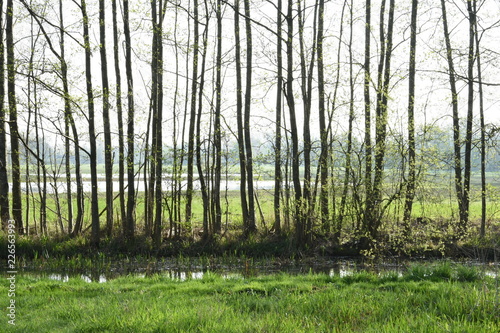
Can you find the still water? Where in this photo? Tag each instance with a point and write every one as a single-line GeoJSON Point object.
{"type": "Point", "coordinates": [239, 269]}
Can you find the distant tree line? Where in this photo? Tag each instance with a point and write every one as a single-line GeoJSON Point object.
{"type": "Point", "coordinates": [354, 103]}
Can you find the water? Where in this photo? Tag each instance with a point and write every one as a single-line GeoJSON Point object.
{"type": "Point", "coordinates": [229, 185]}
{"type": "Point", "coordinates": [237, 269]}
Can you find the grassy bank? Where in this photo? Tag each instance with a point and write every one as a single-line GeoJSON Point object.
{"type": "Point", "coordinates": [424, 299]}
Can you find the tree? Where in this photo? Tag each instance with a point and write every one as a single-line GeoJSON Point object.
{"type": "Point", "coordinates": [277, 153]}
{"type": "Point", "coordinates": [192, 117]}
{"type": "Point", "coordinates": [14, 132]}
{"type": "Point", "coordinates": [482, 126]}
{"type": "Point", "coordinates": [119, 114]}
{"type": "Point", "coordinates": [250, 226]}
{"type": "Point", "coordinates": [158, 12]}
{"type": "Point", "coordinates": [299, 221]}
{"type": "Point", "coordinates": [94, 202]}
{"type": "Point", "coordinates": [459, 184]}
{"type": "Point", "coordinates": [4, 184]}
{"type": "Point", "coordinates": [368, 118]}
{"type": "Point", "coordinates": [410, 187]}
{"type": "Point", "coordinates": [239, 115]}
{"type": "Point", "coordinates": [108, 159]}
{"type": "Point", "coordinates": [129, 225]}
{"type": "Point", "coordinates": [216, 209]}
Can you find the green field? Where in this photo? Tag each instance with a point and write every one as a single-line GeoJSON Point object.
{"type": "Point", "coordinates": [438, 298]}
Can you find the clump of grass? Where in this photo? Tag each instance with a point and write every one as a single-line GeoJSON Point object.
{"type": "Point", "coordinates": [468, 273]}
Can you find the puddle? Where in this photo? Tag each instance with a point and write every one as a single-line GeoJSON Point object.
{"type": "Point", "coordinates": [235, 269]}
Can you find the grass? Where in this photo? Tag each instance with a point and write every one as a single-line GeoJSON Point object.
{"type": "Point", "coordinates": [438, 300]}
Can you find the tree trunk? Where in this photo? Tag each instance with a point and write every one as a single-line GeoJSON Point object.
{"type": "Point", "coordinates": [410, 187]}
{"type": "Point", "coordinates": [192, 118]}
{"type": "Point", "coordinates": [95, 235]}
{"type": "Point", "coordinates": [277, 152]}
{"type": "Point", "coordinates": [459, 186]}
{"type": "Point", "coordinates": [381, 129]}
{"type": "Point", "coordinates": [368, 123]}
{"type": "Point", "coordinates": [239, 117]}
{"type": "Point", "coordinates": [4, 183]}
{"type": "Point", "coordinates": [119, 114]}
{"type": "Point", "coordinates": [482, 233]}
{"type": "Point", "coordinates": [14, 134]}
{"type": "Point", "coordinates": [299, 221]}
{"type": "Point", "coordinates": [108, 159]}
{"type": "Point", "coordinates": [216, 209]}
{"type": "Point", "coordinates": [348, 154]}
{"type": "Point", "coordinates": [463, 225]}
{"type": "Point", "coordinates": [130, 220]}
{"type": "Point", "coordinates": [157, 94]}
{"type": "Point", "coordinates": [251, 225]}
{"type": "Point", "coordinates": [323, 129]}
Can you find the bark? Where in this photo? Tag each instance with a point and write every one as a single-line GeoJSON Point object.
{"type": "Point", "coordinates": [95, 234]}
{"type": "Point", "coordinates": [108, 160]}
{"type": "Point", "coordinates": [277, 152]}
{"type": "Point", "coordinates": [207, 232]}
{"type": "Point", "coordinates": [482, 128]}
{"type": "Point", "coordinates": [299, 221]}
{"type": "Point", "coordinates": [130, 219]}
{"type": "Point", "coordinates": [119, 114]}
{"type": "Point", "coordinates": [348, 157]}
{"type": "Point", "coordinates": [368, 120]}
{"type": "Point", "coordinates": [4, 184]}
{"type": "Point", "coordinates": [67, 123]}
{"type": "Point", "coordinates": [239, 116]}
{"type": "Point", "coordinates": [192, 118]}
{"type": "Point", "coordinates": [410, 187]}
{"type": "Point", "coordinates": [251, 225]}
{"type": "Point", "coordinates": [463, 225]}
{"type": "Point", "coordinates": [14, 133]}
{"type": "Point", "coordinates": [157, 74]}
{"type": "Point", "coordinates": [324, 154]}
{"type": "Point", "coordinates": [216, 209]}
{"type": "Point", "coordinates": [459, 186]}
{"type": "Point", "coordinates": [381, 129]}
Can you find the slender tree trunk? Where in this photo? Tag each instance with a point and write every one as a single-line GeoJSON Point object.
{"type": "Point", "coordinates": [381, 129]}
{"type": "Point", "coordinates": [192, 118]}
{"type": "Point", "coordinates": [67, 120]}
{"type": "Point", "coordinates": [278, 158]}
{"type": "Point", "coordinates": [14, 133]}
{"type": "Point", "coordinates": [410, 187]}
{"type": "Point", "coordinates": [299, 221]}
{"type": "Point", "coordinates": [157, 73]}
{"type": "Point", "coordinates": [482, 128]}
{"type": "Point", "coordinates": [462, 227]}
{"type": "Point", "coordinates": [348, 154]}
{"type": "Point", "coordinates": [119, 114]}
{"type": "Point", "coordinates": [368, 121]}
{"type": "Point", "coordinates": [207, 232]}
{"type": "Point", "coordinates": [459, 186]}
{"type": "Point", "coordinates": [251, 225]}
{"type": "Point", "coordinates": [217, 210]}
{"type": "Point", "coordinates": [4, 183]}
{"type": "Point", "coordinates": [239, 116]}
{"type": "Point", "coordinates": [130, 220]}
{"type": "Point", "coordinates": [108, 159]}
{"type": "Point", "coordinates": [323, 129]}
{"type": "Point", "coordinates": [95, 235]}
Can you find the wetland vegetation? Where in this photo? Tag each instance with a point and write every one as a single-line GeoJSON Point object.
{"type": "Point", "coordinates": [431, 298]}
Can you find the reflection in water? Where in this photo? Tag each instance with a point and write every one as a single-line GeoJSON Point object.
{"type": "Point", "coordinates": [230, 272]}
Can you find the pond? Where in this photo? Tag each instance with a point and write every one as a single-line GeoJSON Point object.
{"type": "Point", "coordinates": [197, 268]}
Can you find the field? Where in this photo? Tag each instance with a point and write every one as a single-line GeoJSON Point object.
{"type": "Point", "coordinates": [426, 298]}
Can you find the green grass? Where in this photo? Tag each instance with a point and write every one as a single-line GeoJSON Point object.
{"type": "Point", "coordinates": [437, 300]}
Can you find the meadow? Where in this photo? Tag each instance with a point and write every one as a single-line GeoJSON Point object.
{"type": "Point", "coordinates": [425, 298]}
